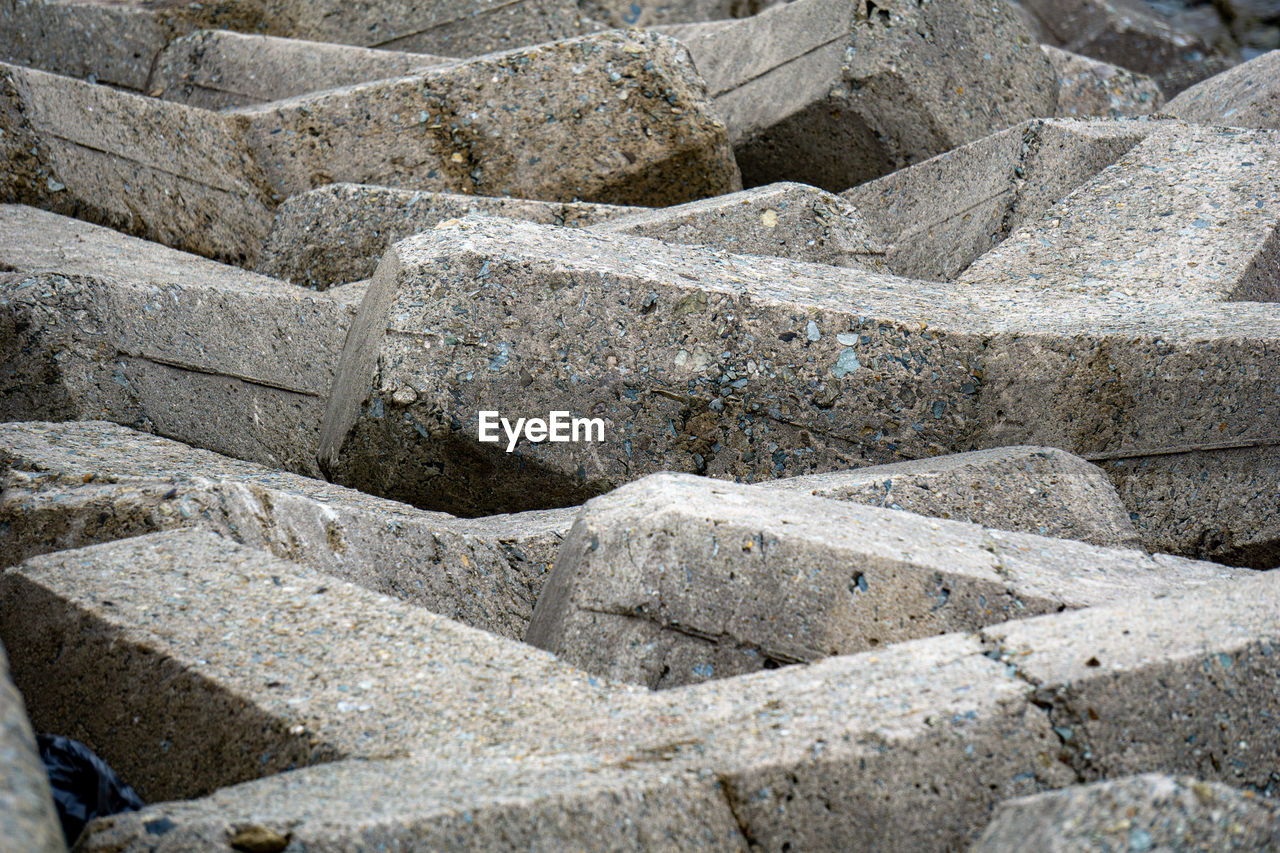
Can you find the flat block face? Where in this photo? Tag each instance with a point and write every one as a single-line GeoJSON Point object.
{"type": "Point", "coordinates": [1148, 810]}
{"type": "Point", "coordinates": [1245, 96]}
{"type": "Point", "coordinates": [337, 233]}
{"type": "Point", "coordinates": [674, 580]}
{"type": "Point", "coordinates": [782, 220]}
{"type": "Point", "coordinates": [197, 663]}
{"type": "Point", "coordinates": [28, 818]}
{"type": "Point", "coordinates": [1028, 489]}
{"type": "Point", "coordinates": [840, 72]}
{"type": "Point", "coordinates": [77, 484]}
{"type": "Point", "coordinates": [1087, 87]}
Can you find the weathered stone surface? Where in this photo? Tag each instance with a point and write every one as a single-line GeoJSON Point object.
{"type": "Point", "coordinates": [833, 93]}
{"type": "Point", "coordinates": [28, 820]}
{"type": "Point", "coordinates": [176, 175]}
{"type": "Point", "coordinates": [940, 216]}
{"type": "Point", "coordinates": [1088, 87]}
{"type": "Point", "coordinates": [206, 182]}
{"type": "Point", "coordinates": [97, 325]}
{"type": "Point", "coordinates": [1038, 490]}
{"type": "Point", "coordinates": [189, 662]}
{"type": "Point", "coordinates": [1130, 34]}
{"type": "Point", "coordinates": [784, 220]}
{"type": "Point", "coordinates": [338, 233]}
{"type": "Point", "coordinates": [1135, 813]}
{"type": "Point", "coordinates": [77, 484]}
{"type": "Point", "coordinates": [651, 13]}
{"type": "Point", "coordinates": [674, 580]}
{"type": "Point", "coordinates": [214, 69]}
{"type": "Point", "coordinates": [1205, 658]}
{"type": "Point", "coordinates": [754, 368]}
{"type": "Point", "coordinates": [443, 27]}
{"type": "Point", "coordinates": [1245, 96]}
{"type": "Point", "coordinates": [1135, 232]}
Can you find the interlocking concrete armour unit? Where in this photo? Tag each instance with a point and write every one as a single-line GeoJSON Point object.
{"type": "Point", "coordinates": [834, 93]}
{"type": "Point", "coordinates": [1245, 96]}
{"type": "Point", "coordinates": [206, 181]}
{"type": "Point", "coordinates": [28, 820]}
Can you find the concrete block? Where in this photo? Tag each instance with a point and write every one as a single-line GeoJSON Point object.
{"type": "Point", "coordinates": [1088, 87]}
{"type": "Point", "coordinates": [1037, 490]}
{"type": "Point", "coordinates": [28, 819]}
{"type": "Point", "coordinates": [1150, 811]}
{"type": "Point", "coordinates": [1131, 34]}
{"type": "Point", "coordinates": [206, 182]}
{"type": "Point", "coordinates": [783, 220]}
{"type": "Point", "coordinates": [337, 233]}
{"type": "Point", "coordinates": [1181, 684]}
{"type": "Point", "coordinates": [215, 69]}
{"type": "Point", "coordinates": [104, 326]}
{"type": "Point", "coordinates": [76, 484]}
{"type": "Point", "coordinates": [1135, 232]}
{"type": "Point", "coordinates": [939, 216]}
{"type": "Point", "coordinates": [674, 580]}
{"type": "Point", "coordinates": [1245, 96]}
{"type": "Point", "coordinates": [817, 90]}
{"type": "Point", "coordinates": [189, 663]}
{"type": "Point", "coordinates": [652, 13]}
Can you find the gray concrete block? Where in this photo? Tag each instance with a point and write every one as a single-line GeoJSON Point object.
{"type": "Point", "coordinates": [939, 216]}
{"type": "Point", "coordinates": [1088, 87]}
{"type": "Point", "coordinates": [190, 663]}
{"type": "Point", "coordinates": [206, 181]}
{"type": "Point", "coordinates": [337, 233]}
{"type": "Point", "coordinates": [76, 484]}
{"type": "Point", "coordinates": [1037, 490]}
{"type": "Point", "coordinates": [101, 325]}
{"type": "Point", "coordinates": [28, 819]}
{"type": "Point", "coordinates": [215, 69]}
{"type": "Point", "coordinates": [1181, 684]}
{"type": "Point", "coordinates": [674, 580]}
{"type": "Point", "coordinates": [1131, 34]}
{"type": "Point", "coordinates": [652, 13]}
{"type": "Point", "coordinates": [1245, 96]}
{"type": "Point", "coordinates": [783, 220]}
{"type": "Point", "coordinates": [814, 90]}
{"type": "Point", "coordinates": [1134, 231]}
{"type": "Point", "coordinates": [1150, 811]}
{"type": "Point", "coordinates": [753, 369]}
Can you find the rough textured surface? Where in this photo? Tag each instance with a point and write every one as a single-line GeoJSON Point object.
{"type": "Point", "coordinates": [833, 93]}
{"type": "Point", "coordinates": [338, 233]}
{"type": "Point", "coordinates": [1245, 96]}
{"type": "Point", "coordinates": [1037, 490]}
{"type": "Point", "coordinates": [784, 220]}
{"type": "Point", "coordinates": [189, 663]}
{"type": "Point", "coordinates": [103, 326]}
{"type": "Point", "coordinates": [1129, 34]}
{"type": "Point", "coordinates": [939, 216]}
{"type": "Point", "coordinates": [1149, 812]}
{"type": "Point", "coordinates": [218, 69]}
{"type": "Point", "coordinates": [28, 820]}
{"type": "Point", "coordinates": [629, 123]}
{"type": "Point", "coordinates": [76, 484]}
{"type": "Point", "coordinates": [1087, 87]}
{"type": "Point", "coordinates": [674, 580]}
{"type": "Point", "coordinates": [1207, 659]}
{"type": "Point", "coordinates": [1135, 232]}
{"type": "Point", "coordinates": [756, 368]}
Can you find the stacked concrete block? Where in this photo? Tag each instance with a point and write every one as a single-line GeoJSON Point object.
{"type": "Point", "coordinates": [28, 819]}
{"type": "Point", "coordinates": [1130, 34]}
{"type": "Point", "coordinates": [1029, 489]}
{"type": "Point", "coordinates": [77, 484]}
{"type": "Point", "coordinates": [1087, 87]}
{"type": "Point", "coordinates": [631, 125]}
{"type": "Point", "coordinates": [1135, 813]}
{"type": "Point", "coordinates": [1245, 96]}
{"type": "Point", "coordinates": [834, 93]}
{"type": "Point", "coordinates": [676, 580]}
